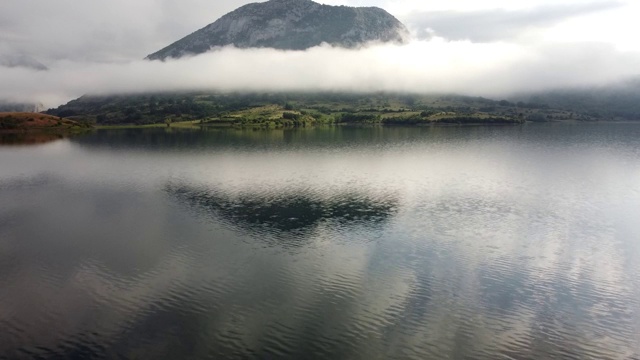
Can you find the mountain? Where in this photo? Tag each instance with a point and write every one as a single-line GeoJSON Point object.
{"type": "Point", "coordinates": [24, 61]}
{"type": "Point", "coordinates": [290, 25]}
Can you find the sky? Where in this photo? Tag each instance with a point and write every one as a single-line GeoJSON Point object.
{"type": "Point", "coordinates": [484, 47]}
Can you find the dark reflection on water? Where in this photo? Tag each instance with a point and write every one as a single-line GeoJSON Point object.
{"type": "Point", "coordinates": [363, 243]}
{"type": "Point", "coordinates": [283, 212]}
{"type": "Point", "coordinates": [28, 138]}
{"type": "Point", "coordinates": [330, 137]}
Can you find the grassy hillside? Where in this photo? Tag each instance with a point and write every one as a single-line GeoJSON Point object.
{"type": "Point", "coordinates": [301, 109]}
{"type": "Point", "coordinates": [26, 121]}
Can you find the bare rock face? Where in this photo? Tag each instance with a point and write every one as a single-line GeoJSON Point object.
{"type": "Point", "coordinates": [290, 25]}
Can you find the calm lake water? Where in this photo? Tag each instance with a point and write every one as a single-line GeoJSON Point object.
{"type": "Point", "coordinates": [338, 243]}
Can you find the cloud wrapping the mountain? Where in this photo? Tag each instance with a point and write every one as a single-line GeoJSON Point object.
{"type": "Point", "coordinates": [494, 69]}
{"type": "Point", "coordinates": [489, 48]}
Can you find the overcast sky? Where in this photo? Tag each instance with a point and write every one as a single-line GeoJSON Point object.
{"type": "Point", "coordinates": [489, 47]}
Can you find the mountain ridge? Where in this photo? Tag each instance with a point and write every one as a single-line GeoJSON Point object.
{"type": "Point", "coordinates": [290, 25]}
{"type": "Point", "coordinates": [21, 61]}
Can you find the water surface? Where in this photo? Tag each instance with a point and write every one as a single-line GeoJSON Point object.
{"type": "Point", "coordinates": [361, 243]}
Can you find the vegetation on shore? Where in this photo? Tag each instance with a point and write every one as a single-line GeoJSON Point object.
{"type": "Point", "coordinates": [11, 122]}
{"type": "Point", "coordinates": [286, 109]}
{"type": "Point", "coordinates": [304, 109]}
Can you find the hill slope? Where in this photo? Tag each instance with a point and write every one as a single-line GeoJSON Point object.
{"type": "Point", "coordinates": [26, 121]}
{"type": "Point", "coordinates": [293, 109]}
{"type": "Point", "coordinates": [292, 25]}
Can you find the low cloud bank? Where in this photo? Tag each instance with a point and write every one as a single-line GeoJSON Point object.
{"type": "Point", "coordinates": [492, 69]}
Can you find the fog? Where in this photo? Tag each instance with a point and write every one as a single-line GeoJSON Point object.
{"type": "Point", "coordinates": [487, 69]}
{"type": "Point", "coordinates": [489, 48]}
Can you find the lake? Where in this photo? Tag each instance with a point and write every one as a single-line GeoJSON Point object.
{"type": "Point", "coordinates": [514, 242]}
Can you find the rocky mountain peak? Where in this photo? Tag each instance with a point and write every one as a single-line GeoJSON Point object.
{"type": "Point", "coordinates": [290, 25]}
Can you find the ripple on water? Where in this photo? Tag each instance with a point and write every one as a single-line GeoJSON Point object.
{"type": "Point", "coordinates": [442, 243]}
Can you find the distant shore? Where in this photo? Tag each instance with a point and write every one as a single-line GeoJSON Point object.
{"type": "Point", "coordinates": [28, 122]}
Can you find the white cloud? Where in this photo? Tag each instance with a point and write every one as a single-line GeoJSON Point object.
{"type": "Point", "coordinates": [101, 30]}
{"type": "Point", "coordinates": [618, 27]}
{"type": "Point", "coordinates": [498, 25]}
{"type": "Point", "coordinates": [492, 69]}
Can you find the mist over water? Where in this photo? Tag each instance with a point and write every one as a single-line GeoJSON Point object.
{"type": "Point", "coordinates": [338, 242]}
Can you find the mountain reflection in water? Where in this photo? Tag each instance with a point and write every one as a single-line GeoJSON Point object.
{"type": "Point", "coordinates": [282, 213]}
{"type": "Point", "coordinates": [28, 138]}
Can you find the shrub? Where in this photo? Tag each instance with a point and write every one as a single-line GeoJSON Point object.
{"type": "Point", "coordinates": [291, 116]}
